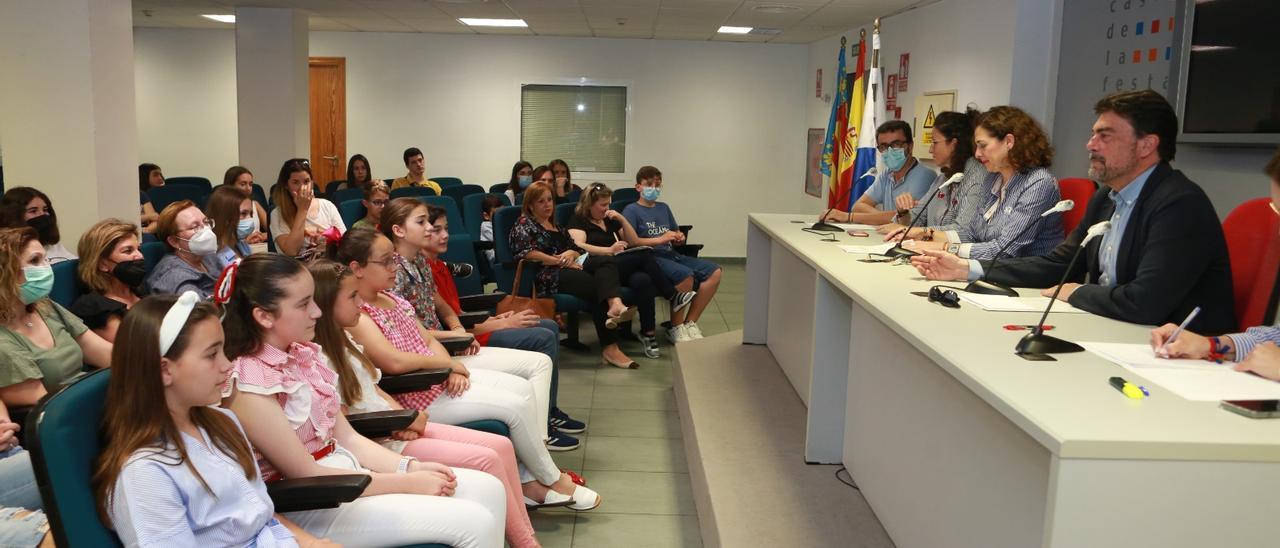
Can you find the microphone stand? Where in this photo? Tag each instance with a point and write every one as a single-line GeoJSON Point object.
{"type": "Point", "coordinates": [897, 250]}
{"type": "Point", "coordinates": [822, 224]}
{"type": "Point", "coordinates": [982, 286]}
{"type": "Point", "coordinates": [1036, 342]}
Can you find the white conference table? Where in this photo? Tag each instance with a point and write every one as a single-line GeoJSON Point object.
{"type": "Point", "coordinates": [957, 442]}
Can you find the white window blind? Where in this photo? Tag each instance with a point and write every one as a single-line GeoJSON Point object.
{"type": "Point", "coordinates": [585, 126]}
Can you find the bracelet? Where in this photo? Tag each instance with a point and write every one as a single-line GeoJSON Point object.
{"type": "Point", "coordinates": [1216, 350]}
{"type": "Point", "coordinates": [403, 467]}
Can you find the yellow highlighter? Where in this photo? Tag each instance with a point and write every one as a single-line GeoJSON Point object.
{"type": "Point", "coordinates": [1129, 389]}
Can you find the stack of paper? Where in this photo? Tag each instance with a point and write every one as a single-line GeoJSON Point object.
{"type": "Point", "coordinates": [1196, 380]}
{"type": "Point", "coordinates": [849, 226]}
{"type": "Point", "coordinates": [1002, 303]}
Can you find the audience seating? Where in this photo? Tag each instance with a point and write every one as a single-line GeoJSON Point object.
{"type": "Point", "coordinates": [1254, 249]}
{"type": "Point", "coordinates": [162, 196]}
{"type": "Point", "coordinates": [1080, 191]}
{"type": "Point", "coordinates": [472, 215]}
{"type": "Point", "coordinates": [412, 192]}
{"type": "Point", "coordinates": [619, 205]}
{"type": "Point", "coordinates": [65, 282]}
{"type": "Point", "coordinates": [573, 196]}
{"type": "Point", "coordinates": [498, 188]}
{"type": "Point", "coordinates": [460, 192]}
{"type": "Point", "coordinates": [332, 187]}
{"type": "Point", "coordinates": [446, 182]}
{"type": "Point", "coordinates": [199, 182]}
{"type": "Point", "coordinates": [152, 252]}
{"type": "Point", "coordinates": [625, 194]}
{"type": "Point", "coordinates": [341, 195]}
{"type": "Point", "coordinates": [351, 211]}
{"type": "Point", "coordinates": [64, 439]}
{"type": "Point", "coordinates": [563, 213]}
{"type": "Point", "coordinates": [260, 196]}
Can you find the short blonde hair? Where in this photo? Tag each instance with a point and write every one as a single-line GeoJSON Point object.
{"type": "Point", "coordinates": [593, 192]}
{"type": "Point", "coordinates": [95, 245]}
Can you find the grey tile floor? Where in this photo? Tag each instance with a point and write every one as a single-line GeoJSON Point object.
{"type": "Point", "coordinates": [632, 452]}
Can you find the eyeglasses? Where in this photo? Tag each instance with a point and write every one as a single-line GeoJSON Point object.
{"type": "Point", "coordinates": [379, 203]}
{"type": "Point", "coordinates": [896, 144]}
{"type": "Point", "coordinates": [388, 263]}
{"type": "Point", "coordinates": [207, 223]}
{"type": "Point", "coordinates": [947, 298]}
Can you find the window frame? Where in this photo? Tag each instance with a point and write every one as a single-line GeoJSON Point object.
{"type": "Point", "coordinates": [628, 169]}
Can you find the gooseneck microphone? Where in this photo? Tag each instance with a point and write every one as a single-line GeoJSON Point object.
{"type": "Point", "coordinates": [1036, 343]}
{"type": "Point", "coordinates": [981, 285]}
{"type": "Point", "coordinates": [822, 224]}
{"type": "Point", "coordinates": [897, 250]}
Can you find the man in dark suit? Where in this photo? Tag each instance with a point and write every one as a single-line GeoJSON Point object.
{"type": "Point", "coordinates": [1165, 253]}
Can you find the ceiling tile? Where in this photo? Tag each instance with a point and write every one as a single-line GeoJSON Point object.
{"type": "Point", "coordinates": [326, 24]}
{"type": "Point", "coordinates": [375, 24]}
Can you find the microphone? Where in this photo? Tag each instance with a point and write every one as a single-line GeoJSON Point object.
{"type": "Point", "coordinates": [822, 223]}
{"type": "Point", "coordinates": [1035, 344]}
{"type": "Point", "coordinates": [897, 250]}
{"type": "Point", "coordinates": [984, 287]}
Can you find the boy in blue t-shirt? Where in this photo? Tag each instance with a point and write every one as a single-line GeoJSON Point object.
{"type": "Point", "coordinates": [656, 227]}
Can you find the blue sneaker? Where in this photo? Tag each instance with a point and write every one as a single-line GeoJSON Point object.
{"type": "Point", "coordinates": [564, 423]}
{"type": "Point", "coordinates": [560, 441]}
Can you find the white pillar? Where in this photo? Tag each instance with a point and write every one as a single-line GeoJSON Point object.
{"type": "Point", "coordinates": [1036, 37]}
{"type": "Point", "coordinates": [272, 89]}
{"type": "Point", "coordinates": [67, 112]}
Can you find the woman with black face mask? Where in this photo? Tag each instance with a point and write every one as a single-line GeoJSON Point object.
{"type": "Point", "coordinates": [113, 270]}
{"type": "Point", "coordinates": [26, 206]}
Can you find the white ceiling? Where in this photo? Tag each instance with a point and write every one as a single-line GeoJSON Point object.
{"type": "Point", "coordinates": [801, 21]}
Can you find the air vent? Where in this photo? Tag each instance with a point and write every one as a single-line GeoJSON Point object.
{"type": "Point", "coordinates": [760, 31]}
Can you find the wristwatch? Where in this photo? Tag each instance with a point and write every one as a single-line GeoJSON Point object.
{"type": "Point", "coordinates": [953, 249]}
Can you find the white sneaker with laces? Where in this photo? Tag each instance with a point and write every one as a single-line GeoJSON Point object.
{"type": "Point", "coordinates": [678, 334]}
{"type": "Point", "coordinates": [691, 329]}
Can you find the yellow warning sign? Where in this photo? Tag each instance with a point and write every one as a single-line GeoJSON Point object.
{"type": "Point", "coordinates": [928, 118]}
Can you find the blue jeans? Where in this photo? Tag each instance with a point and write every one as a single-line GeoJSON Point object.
{"type": "Point", "coordinates": [544, 338]}
{"type": "Point", "coordinates": [24, 531]}
{"type": "Point", "coordinates": [17, 481]}
{"type": "Point", "coordinates": [677, 267]}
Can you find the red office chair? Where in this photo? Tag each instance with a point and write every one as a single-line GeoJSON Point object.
{"type": "Point", "coordinates": [1080, 191]}
{"type": "Point", "coordinates": [1254, 248]}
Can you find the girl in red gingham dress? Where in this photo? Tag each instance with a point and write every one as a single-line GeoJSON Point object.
{"type": "Point", "coordinates": [396, 343]}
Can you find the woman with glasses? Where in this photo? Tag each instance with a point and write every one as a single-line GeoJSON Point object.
{"type": "Point", "coordinates": [300, 218]}
{"type": "Point", "coordinates": [192, 261]}
{"type": "Point", "coordinates": [376, 197]}
{"type": "Point", "coordinates": [1253, 350]}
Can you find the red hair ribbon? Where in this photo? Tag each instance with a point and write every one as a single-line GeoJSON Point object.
{"type": "Point", "coordinates": [226, 283]}
{"type": "Point", "coordinates": [333, 235]}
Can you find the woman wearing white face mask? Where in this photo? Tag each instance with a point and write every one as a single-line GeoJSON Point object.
{"type": "Point", "coordinates": [42, 343]}
{"type": "Point", "coordinates": [192, 261]}
{"type": "Point", "coordinates": [234, 222]}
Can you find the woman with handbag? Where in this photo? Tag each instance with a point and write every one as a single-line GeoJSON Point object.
{"type": "Point", "coordinates": [605, 232]}
{"type": "Point", "coordinates": [566, 268]}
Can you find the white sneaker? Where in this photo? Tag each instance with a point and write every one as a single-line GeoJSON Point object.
{"type": "Point", "coordinates": [678, 334]}
{"type": "Point", "coordinates": [691, 329]}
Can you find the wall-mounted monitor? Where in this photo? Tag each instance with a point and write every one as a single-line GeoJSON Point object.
{"type": "Point", "coordinates": [1226, 71]}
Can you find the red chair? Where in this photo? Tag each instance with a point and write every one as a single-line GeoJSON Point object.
{"type": "Point", "coordinates": [1080, 191]}
{"type": "Point", "coordinates": [1254, 248]}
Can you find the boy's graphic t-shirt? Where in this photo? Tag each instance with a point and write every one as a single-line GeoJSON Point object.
{"type": "Point", "coordinates": [651, 222]}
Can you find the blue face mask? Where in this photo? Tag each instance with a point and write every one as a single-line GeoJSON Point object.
{"type": "Point", "coordinates": [650, 193]}
{"type": "Point", "coordinates": [246, 227]}
{"type": "Point", "coordinates": [38, 285]}
{"type": "Point", "coordinates": [526, 180]}
{"type": "Point", "coordinates": [894, 158]}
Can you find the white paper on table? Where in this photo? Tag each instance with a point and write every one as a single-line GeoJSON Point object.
{"type": "Point", "coordinates": [849, 226]}
{"type": "Point", "coordinates": [1003, 303]}
{"type": "Point", "coordinates": [878, 249]}
{"type": "Point", "coordinates": [1195, 380]}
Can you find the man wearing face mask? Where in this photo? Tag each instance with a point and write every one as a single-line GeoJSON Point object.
{"type": "Point", "coordinates": [192, 262]}
{"type": "Point", "coordinates": [113, 268]}
{"type": "Point", "coordinates": [26, 206]}
{"type": "Point", "coordinates": [903, 175]}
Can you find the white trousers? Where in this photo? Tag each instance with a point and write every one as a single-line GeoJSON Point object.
{"type": "Point", "coordinates": [533, 366]}
{"type": "Point", "coordinates": [474, 517]}
{"type": "Point", "coordinates": [510, 399]}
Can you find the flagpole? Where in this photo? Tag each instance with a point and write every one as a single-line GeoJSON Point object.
{"type": "Point", "coordinates": [875, 61]}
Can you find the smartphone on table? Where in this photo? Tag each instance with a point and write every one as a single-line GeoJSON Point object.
{"type": "Point", "coordinates": [1254, 409]}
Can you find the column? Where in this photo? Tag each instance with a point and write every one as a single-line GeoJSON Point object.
{"type": "Point", "coordinates": [272, 89]}
{"type": "Point", "coordinates": [68, 120]}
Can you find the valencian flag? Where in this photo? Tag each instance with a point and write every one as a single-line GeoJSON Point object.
{"type": "Point", "coordinates": [869, 106]}
{"type": "Point", "coordinates": [837, 126]}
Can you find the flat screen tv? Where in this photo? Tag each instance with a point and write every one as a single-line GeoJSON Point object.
{"type": "Point", "coordinates": [1227, 71]}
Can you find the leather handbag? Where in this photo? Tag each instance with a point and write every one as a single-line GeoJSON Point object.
{"type": "Point", "coordinates": [544, 308]}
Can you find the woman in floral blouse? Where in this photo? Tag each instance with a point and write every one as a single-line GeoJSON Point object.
{"type": "Point", "coordinates": [565, 268]}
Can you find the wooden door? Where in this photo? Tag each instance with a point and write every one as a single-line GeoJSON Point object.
{"type": "Point", "coordinates": [328, 119]}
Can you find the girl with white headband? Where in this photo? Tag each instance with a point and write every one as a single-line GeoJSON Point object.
{"type": "Point", "coordinates": [282, 390]}
{"type": "Point", "coordinates": [177, 471]}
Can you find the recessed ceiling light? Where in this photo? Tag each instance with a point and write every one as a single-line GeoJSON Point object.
{"type": "Point", "coordinates": [774, 8]}
{"type": "Point", "coordinates": [221, 18]}
{"type": "Point", "coordinates": [581, 107]}
{"type": "Point", "coordinates": [493, 22]}
{"type": "Point", "coordinates": [734, 30]}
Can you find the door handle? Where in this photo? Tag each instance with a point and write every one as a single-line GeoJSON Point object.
{"type": "Point", "coordinates": [331, 158]}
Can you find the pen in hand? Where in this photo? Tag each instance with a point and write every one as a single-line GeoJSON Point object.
{"type": "Point", "coordinates": [1174, 336]}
